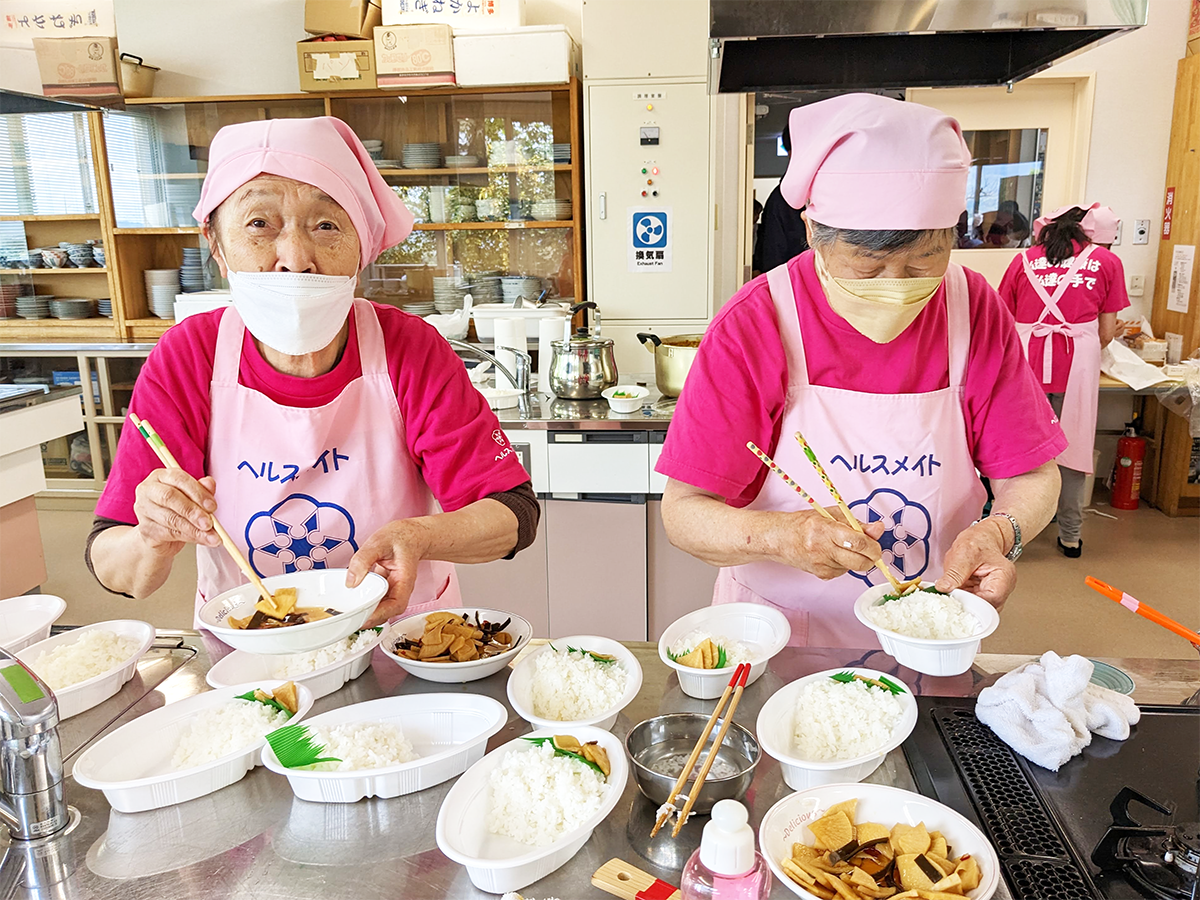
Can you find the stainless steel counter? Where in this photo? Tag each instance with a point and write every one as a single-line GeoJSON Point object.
{"type": "Point", "coordinates": [551, 413]}
{"type": "Point", "coordinates": [254, 840]}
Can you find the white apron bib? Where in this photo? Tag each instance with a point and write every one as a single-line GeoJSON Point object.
{"type": "Point", "coordinates": [902, 459]}
{"type": "Point", "coordinates": [1079, 408]}
{"type": "Point", "coordinates": [302, 489]}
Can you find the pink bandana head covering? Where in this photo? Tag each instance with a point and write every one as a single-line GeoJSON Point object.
{"type": "Point", "coordinates": [868, 162]}
{"type": "Point", "coordinates": [323, 152]}
{"type": "Point", "coordinates": [1099, 223]}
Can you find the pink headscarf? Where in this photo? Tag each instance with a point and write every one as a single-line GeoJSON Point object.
{"type": "Point", "coordinates": [1099, 223]}
{"type": "Point", "coordinates": [323, 152]}
{"type": "Point", "coordinates": [868, 162]}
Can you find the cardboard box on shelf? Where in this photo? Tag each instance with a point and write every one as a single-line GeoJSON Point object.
{"type": "Point", "coordinates": [414, 54]}
{"type": "Point", "coordinates": [85, 68]}
{"type": "Point", "coordinates": [353, 18]}
{"type": "Point", "coordinates": [336, 65]}
{"type": "Point", "coordinates": [535, 54]}
{"type": "Point", "coordinates": [461, 16]}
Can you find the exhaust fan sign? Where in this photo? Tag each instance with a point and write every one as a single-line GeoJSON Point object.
{"type": "Point", "coordinates": [649, 243]}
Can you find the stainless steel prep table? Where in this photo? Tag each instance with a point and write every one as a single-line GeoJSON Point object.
{"type": "Point", "coordinates": [254, 840]}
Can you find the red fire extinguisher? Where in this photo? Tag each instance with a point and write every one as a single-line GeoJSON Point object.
{"type": "Point", "coordinates": [1127, 471]}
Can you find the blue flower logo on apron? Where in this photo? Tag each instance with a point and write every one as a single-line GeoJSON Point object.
{"type": "Point", "coordinates": [298, 534]}
{"type": "Point", "coordinates": [907, 527]}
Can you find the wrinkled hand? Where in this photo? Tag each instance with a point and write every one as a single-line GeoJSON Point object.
{"type": "Point", "coordinates": [976, 563]}
{"type": "Point", "coordinates": [808, 541]}
{"type": "Point", "coordinates": [394, 552]}
{"type": "Point", "coordinates": [173, 509]}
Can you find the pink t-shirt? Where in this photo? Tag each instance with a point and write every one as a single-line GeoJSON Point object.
{"type": "Point", "coordinates": [737, 385]}
{"type": "Point", "coordinates": [1098, 287]}
{"type": "Point", "coordinates": [448, 426]}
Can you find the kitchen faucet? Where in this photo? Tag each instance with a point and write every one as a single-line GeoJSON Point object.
{"type": "Point", "coordinates": [31, 765]}
{"type": "Point", "coordinates": [524, 362]}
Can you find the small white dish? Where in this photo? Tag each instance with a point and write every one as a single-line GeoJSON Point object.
{"type": "Point", "coordinates": [926, 655]}
{"type": "Point", "coordinates": [456, 672]}
{"type": "Point", "coordinates": [498, 864]}
{"type": "Point", "coordinates": [625, 404]}
{"type": "Point", "coordinates": [83, 696]}
{"type": "Point", "coordinates": [27, 619]}
{"type": "Point", "coordinates": [787, 822]}
{"type": "Point", "coordinates": [239, 667]}
{"type": "Point", "coordinates": [325, 588]}
{"type": "Point", "coordinates": [132, 765]}
{"type": "Point", "coordinates": [449, 731]}
{"type": "Point", "coordinates": [520, 682]}
{"type": "Point", "coordinates": [776, 726]}
{"type": "Point", "coordinates": [765, 628]}
{"type": "Point", "coordinates": [500, 398]}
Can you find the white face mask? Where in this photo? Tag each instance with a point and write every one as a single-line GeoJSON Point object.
{"type": "Point", "coordinates": [293, 312]}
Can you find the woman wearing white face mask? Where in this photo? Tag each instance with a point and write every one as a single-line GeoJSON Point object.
{"type": "Point", "coordinates": [902, 370]}
{"type": "Point", "coordinates": [324, 430]}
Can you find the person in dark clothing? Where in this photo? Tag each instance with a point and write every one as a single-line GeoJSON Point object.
{"type": "Point", "coordinates": [781, 234]}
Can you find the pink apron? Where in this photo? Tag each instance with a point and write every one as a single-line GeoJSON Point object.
{"type": "Point", "coordinates": [304, 488]}
{"type": "Point", "coordinates": [902, 459]}
{"type": "Point", "coordinates": [1079, 409]}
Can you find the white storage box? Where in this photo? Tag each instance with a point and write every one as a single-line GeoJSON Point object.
{"type": "Point", "coordinates": [486, 314]}
{"type": "Point", "coordinates": [536, 54]}
{"type": "Point", "coordinates": [465, 15]}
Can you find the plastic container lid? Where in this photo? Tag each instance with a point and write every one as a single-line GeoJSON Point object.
{"type": "Point", "coordinates": [727, 845]}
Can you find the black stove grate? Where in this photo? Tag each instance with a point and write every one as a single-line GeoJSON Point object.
{"type": "Point", "coordinates": [1046, 880]}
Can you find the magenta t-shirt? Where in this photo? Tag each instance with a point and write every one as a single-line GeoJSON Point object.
{"type": "Point", "coordinates": [448, 426]}
{"type": "Point", "coordinates": [738, 383]}
{"type": "Point", "coordinates": [1098, 287]}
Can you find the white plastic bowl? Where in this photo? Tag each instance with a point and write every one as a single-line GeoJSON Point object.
{"type": "Point", "coordinates": [749, 623]}
{"type": "Point", "coordinates": [787, 822]}
{"type": "Point", "coordinates": [316, 587]}
{"type": "Point", "coordinates": [83, 696]}
{"type": "Point", "coordinates": [26, 620]}
{"type": "Point", "coordinates": [461, 672]}
{"type": "Point", "coordinates": [449, 731]}
{"type": "Point", "coordinates": [132, 766]}
{"type": "Point", "coordinates": [625, 404]}
{"type": "Point", "coordinates": [520, 682]}
{"type": "Point", "coordinates": [498, 864]}
{"type": "Point", "coordinates": [239, 667]}
{"type": "Point", "coordinates": [932, 657]}
{"type": "Point", "coordinates": [776, 725]}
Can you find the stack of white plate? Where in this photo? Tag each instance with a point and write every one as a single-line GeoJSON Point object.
{"type": "Point", "coordinates": [386, 163]}
{"type": "Point", "coordinates": [528, 287]}
{"type": "Point", "coordinates": [104, 307]}
{"type": "Point", "coordinates": [462, 162]}
{"type": "Point", "coordinates": [191, 276]}
{"type": "Point", "coordinates": [549, 210]}
{"type": "Point", "coordinates": [419, 307]}
{"type": "Point", "coordinates": [448, 293]}
{"type": "Point", "coordinates": [485, 287]}
{"type": "Point", "coordinates": [161, 287]}
{"type": "Point", "coordinates": [562, 153]}
{"type": "Point", "coordinates": [422, 156]}
{"type": "Point", "coordinates": [36, 307]}
{"type": "Point", "coordinates": [71, 308]}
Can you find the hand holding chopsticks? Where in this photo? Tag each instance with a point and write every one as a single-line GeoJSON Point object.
{"type": "Point", "coordinates": [1146, 612]}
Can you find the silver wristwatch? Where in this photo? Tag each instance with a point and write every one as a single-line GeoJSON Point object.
{"type": "Point", "coordinates": [1017, 547]}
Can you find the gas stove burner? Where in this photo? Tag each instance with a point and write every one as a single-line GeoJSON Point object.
{"type": "Point", "coordinates": [1162, 860]}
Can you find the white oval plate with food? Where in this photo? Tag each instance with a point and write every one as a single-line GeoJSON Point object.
{"type": "Point", "coordinates": [456, 672]}
{"type": "Point", "coordinates": [765, 629]}
{"type": "Point", "coordinates": [239, 667]}
{"type": "Point", "coordinates": [27, 619]}
{"type": "Point", "coordinates": [520, 682]}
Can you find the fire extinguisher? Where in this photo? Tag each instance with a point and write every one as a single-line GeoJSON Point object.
{"type": "Point", "coordinates": [1127, 471]}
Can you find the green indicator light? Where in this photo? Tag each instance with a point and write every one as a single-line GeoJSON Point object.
{"type": "Point", "coordinates": [22, 682]}
{"type": "Point", "coordinates": [643, 171]}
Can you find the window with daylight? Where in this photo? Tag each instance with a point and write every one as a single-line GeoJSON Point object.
{"type": "Point", "coordinates": [46, 165]}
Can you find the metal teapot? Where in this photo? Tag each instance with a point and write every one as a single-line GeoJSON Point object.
{"type": "Point", "coordinates": [584, 364]}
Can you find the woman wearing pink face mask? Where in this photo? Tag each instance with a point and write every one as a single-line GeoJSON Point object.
{"type": "Point", "coordinates": [902, 370]}
{"type": "Point", "coordinates": [324, 430]}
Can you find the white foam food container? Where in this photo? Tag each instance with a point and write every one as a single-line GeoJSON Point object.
{"type": "Point", "coordinates": [83, 696]}
{"type": "Point", "coordinates": [449, 732]}
{"type": "Point", "coordinates": [316, 587]}
{"type": "Point", "coordinates": [787, 822]}
{"type": "Point", "coordinates": [499, 864]}
{"type": "Point", "coordinates": [27, 619]}
{"type": "Point", "coordinates": [926, 655]}
{"type": "Point", "coordinates": [776, 727]}
{"type": "Point", "coordinates": [239, 667]}
{"type": "Point", "coordinates": [767, 629]}
{"type": "Point", "coordinates": [486, 314]}
{"type": "Point", "coordinates": [132, 765]}
{"type": "Point", "coordinates": [520, 682]}
{"type": "Point", "coordinates": [457, 672]}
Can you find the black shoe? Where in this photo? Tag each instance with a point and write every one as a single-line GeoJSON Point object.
{"type": "Point", "coordinates": [1070, 552]}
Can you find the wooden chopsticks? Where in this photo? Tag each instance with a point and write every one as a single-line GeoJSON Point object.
{"type": "Point", "coordinates": [156, 444]}
{"type": "Point", "coordinates": [1146, 612]}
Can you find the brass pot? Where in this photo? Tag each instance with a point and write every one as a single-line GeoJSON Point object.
{"type": "Point", "coordinates": [673, 358]}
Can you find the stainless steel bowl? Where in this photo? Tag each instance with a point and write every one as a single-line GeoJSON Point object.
{"type": "Point", "coordinates": [652, 744]}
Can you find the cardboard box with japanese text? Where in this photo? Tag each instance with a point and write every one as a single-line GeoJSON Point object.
{"type": "Point", "coordinates": [414, 55]}
{"type": "Point", "coordinates": [84, 68]}
{"type": "Point", "coordinates": [336, 65]}
{"type": "Point", "coordinates": [353, 18]}
{"type": "Point", "coordinates": [461, 15]}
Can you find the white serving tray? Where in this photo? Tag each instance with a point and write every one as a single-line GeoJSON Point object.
{"type": "Point", "coordinates": [27, 619]}
{"type": "Point", "coordinates": [240, 667]}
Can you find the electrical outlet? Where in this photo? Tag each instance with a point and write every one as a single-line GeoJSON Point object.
{"type": "Point", "coordinates": [1137, 285]}
{"type": "Point", "coordinates": [1141, 231]}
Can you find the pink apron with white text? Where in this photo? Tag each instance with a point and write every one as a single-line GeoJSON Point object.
{"type": "Point", "coordinates": [302, 489]}
{"type": "Point", "coordinates": [1079, 409]}
{"type": "Point", "coordinates": [900, 459]}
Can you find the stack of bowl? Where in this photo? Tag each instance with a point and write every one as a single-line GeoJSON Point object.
{"type": "Point", "coordinates": [462, 161]}
{"type": "Point", "coordinates": [161, 287]}
{"type": "Point", "coordinates": [191, 276]}
{"type": "Point", "coordinates": [527, 287]}
{"type": "Point", "coordinates": [374, 147]}
{"type": "Point", "coordinates": [72, 308]}
{"type": "Point", "coordinates": [80, 254]}
{"type": "Point", "coordinates": [55, 258]}
{"type": "Point", "coordinates": [31, 260]}
{"type": "Point", "coordinates": [34, 307]}
{"type": "Point", "coordinates": [98, 254]}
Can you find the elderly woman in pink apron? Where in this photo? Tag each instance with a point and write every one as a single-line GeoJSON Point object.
{"type": "Point", "coordinates": [902, 370]}
{"type": "Point", "coordinates": [324, 430]}
{"type": "Point", "coordinates": [1065, 292]}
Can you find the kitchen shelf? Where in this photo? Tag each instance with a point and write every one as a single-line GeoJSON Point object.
{"type": "Point", "coordinates": [182, 230]}
{"type": "Point", "coordinates": [67, 217]}
{"type": "Point", "coordinates": [53, 271]}
{"type": "Point", "coordinates": [491, 226]}
{"type": "Point", "coordinates": [149, 328]}
{"type": "Point", "coordinates": [480, 170]}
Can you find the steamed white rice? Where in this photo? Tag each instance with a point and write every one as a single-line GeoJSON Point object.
{"type": "Point", "coordinates": [93, 653]}
{"type": "Point", "coordinates": [364, 745]}
{"type": "Point", "coordinates": [736, 652]}
{"type": "Point", "coordinates": [295, 664]}
{"type": "Point", "coordinates": [537, 797]}
{"type": "Point", "coordinates": [568, 686]}
{"type": "Point", "coordinates": [924, 614]}
{"type": "Point", "coordinates": [836, 720]}
{"type": "Point", "coordinates": [220, 730]}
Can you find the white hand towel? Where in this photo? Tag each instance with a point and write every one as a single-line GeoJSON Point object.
{"type": "Point", "coordinates": [1109, 713]}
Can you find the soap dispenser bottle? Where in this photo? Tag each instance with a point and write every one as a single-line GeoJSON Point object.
{"type": "Point", "coordinates": [726, 867]}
